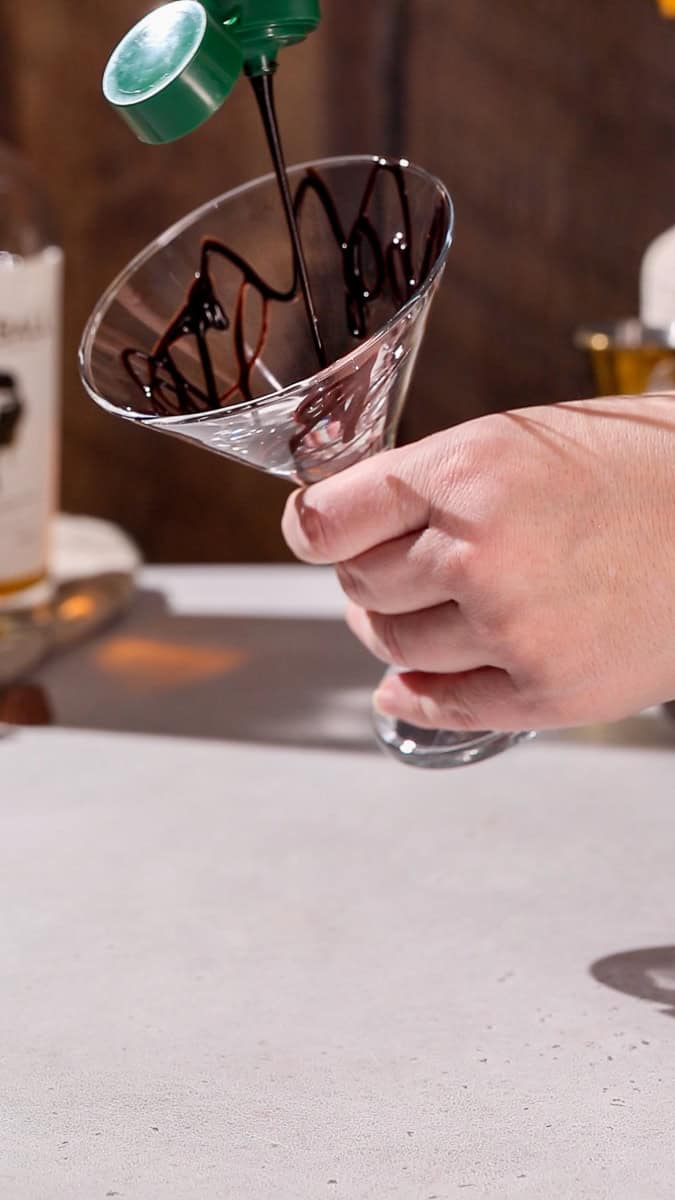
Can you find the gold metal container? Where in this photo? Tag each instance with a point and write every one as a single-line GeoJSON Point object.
{"type": "Point", "coordinates": [628, 358]}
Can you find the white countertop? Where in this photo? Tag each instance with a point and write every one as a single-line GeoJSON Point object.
{"type": "Point", "coordinates": [245, 957]}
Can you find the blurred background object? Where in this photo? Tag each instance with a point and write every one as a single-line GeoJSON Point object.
{"type": "Point", "coordinates": [549, 120]}
{"type": "Point", "coordinates": [628, 357]}
{"type": "Point", "coordinates": [31, 274]}
{"type": "Point", "coordinates": [92, 573]}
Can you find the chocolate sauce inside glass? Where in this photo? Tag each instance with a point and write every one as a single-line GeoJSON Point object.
{"type": "Point", "coordinates": [370, 268]}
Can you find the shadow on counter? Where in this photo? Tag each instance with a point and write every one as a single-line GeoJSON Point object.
{"type": "Point", "coordinates": [648, 974]}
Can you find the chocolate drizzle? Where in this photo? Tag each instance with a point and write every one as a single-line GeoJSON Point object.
{"type": "Point", "coordinates": [392, 268]}
{"type": "Point", "coordinates": [264, 93]}
{"type": "Point", "coordinates": [372, 268]}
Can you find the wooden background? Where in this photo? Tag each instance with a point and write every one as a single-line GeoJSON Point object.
{"type": "Point", "coordinates": [552, 122]}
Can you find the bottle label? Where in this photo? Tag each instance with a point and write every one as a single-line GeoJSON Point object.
{"type": "Point", "coordinates": [30, 366]}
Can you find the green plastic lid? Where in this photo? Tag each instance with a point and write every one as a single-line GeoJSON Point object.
{"type": "Point", "coordinates": [265, 26]}
{"type": "Point", "coordinates": [172, 71]}
{"type": "Point", "coordinates": [175, 68]}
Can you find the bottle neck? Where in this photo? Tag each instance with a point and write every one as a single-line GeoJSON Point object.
{"type": "Point", "coordinates": [27, 224]}
{"type": "Point", "coordinates": [261, 64]}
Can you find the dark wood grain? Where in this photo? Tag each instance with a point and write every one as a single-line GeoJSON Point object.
{"type": "Point", "coordinates": [8, 59]}
{"type": "Point", "coordinates": [552, 121]}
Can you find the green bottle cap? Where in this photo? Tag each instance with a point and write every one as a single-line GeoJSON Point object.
{"type": "Point", "coordinates": [172, 71]}
{"type": "Point", "coordinates": [265, 26]}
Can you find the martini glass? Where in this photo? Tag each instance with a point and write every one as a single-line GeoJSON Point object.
{"type": "Point", "coordinates": [281, 414]}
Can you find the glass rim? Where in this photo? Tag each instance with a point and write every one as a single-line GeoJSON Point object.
{"type": "Point", "coordinates": [174, 231]}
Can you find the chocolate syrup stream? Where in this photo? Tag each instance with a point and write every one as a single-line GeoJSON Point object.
{"type": "Point", "coordinates": [263, 89]}
{"type": "Point", "coordinates": [169, 392]}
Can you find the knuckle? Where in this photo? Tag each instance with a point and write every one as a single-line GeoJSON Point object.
{"type": "Point", "coordinates": [464, 564]}
{"type": "Point", "coordinates": [534, 646]}
{"type": "Point", "coordinates": [483, 699]}
{"type": "Point", "coordinates": [424, 713]}
{"type": "Point", "coordinates": [442, 709]}
{"type": "Point", "coordinates": [478, 559]}
{"type": "Point", "coordinates": [552, 705]}
{"type": "Point", "coordinates": [496, 603]}
{"type": "Point", "coordinates": [387, 631]}
{"type": "Point", "coordinates": [458, 713]}
{"type": "Point", "coordinates": [351, 583]}
{"type": "Point", "coordinates": [507, 633]}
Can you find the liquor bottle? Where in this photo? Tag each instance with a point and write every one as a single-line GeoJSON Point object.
{"type": "Point", "coordinates": [31, 265]}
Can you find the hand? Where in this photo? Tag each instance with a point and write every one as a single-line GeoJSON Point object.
{"type": "Point", "coordinates": [520, 567]}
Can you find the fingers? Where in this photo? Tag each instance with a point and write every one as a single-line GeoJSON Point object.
{"type": "Point", "coordinates": [436, 639]}
{"type": "Point", "coordinates": [471, 700]}
{"type": "Point", "coordinates": [342, 517]}
{"type": "Point", "coordinates": [375, 501]}
{"type": "Point", "coordinates": [409, 573]}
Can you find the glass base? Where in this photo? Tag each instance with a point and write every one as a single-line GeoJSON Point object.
{"type": "Point", "coordinates": [440, 748]}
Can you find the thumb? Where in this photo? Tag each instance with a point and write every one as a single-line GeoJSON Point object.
{"type": "Point", "coordinates": [469, 700]}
